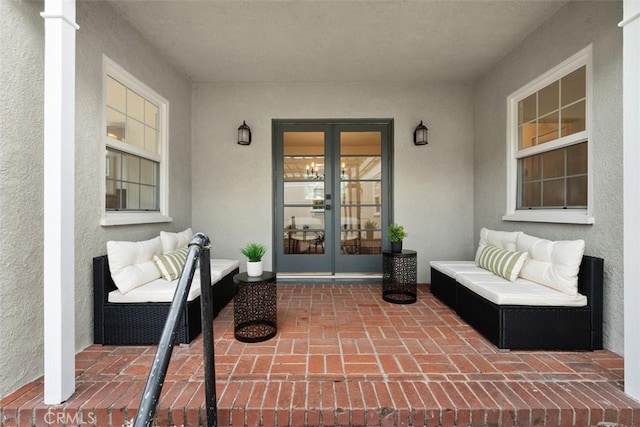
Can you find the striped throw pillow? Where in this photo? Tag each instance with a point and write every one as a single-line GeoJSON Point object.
{"type": "Point", "coordinates": [502, 262]}
{"type": "Point", "coordinates": [171, 263]}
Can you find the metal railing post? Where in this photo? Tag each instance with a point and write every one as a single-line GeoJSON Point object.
{"type": "Point", "coordinates": [155, 380]}
{"type": "Point", "coordinates": [206, 304]}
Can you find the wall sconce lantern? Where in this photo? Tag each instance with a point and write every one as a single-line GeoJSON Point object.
{"type": "Point", "coordinates": [420, 135]}
{"type": "Point", "coordinates": [244, 134]}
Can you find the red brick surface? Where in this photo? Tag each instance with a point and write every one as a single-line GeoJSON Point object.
{"type": "Point", "coordinates": [343, 356]}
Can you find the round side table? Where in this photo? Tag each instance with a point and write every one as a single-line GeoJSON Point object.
{"type": "Point", "coordinates": [255, 307]}
{"type": "Point", "coordinates": [399, 277]}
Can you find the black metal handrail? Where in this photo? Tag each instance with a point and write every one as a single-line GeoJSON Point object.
{"type": "Point", "coordinates": [198, 248]}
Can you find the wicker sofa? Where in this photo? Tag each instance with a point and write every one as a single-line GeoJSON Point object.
{"type": "Point", "coordinates": [134, 285]}
{"type": "Point", "coordinates": [538, 326]}
{"type": "Point", "coordinates": [141, 323]}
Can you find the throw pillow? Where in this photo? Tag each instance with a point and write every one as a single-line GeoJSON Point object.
{"type": "Point", "coordinates": [170, 264]}
{"type": "Point", "coordinates": [554, 264]}
{"type": "Point", "coordinates": [131, 263]}
{"type": "Point", "coordinates": [173, 241]}
{"type": "Point", "coordinates": [504, 263]}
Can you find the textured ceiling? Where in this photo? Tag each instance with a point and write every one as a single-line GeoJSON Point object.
{"type": "Point", "coordinates": [335, 41]}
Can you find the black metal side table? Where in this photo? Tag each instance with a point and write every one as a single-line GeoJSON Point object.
{"type": "Point", "coordinates": [399, 277]}
{"type": "Point", "coordinates": [255, 307]}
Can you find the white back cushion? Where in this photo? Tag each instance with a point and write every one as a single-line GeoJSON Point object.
{"type": "Point", "coordinates": [499, 239]}
{"type": "Point", "coordinates": [552, 263]}
{"type": "Point", "coordinates": [131, 263]}
{"type": "Point", "coordinates": [173, 241]}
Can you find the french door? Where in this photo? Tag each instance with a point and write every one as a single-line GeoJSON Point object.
{"type": "Point", "coordinates": [331, 186]}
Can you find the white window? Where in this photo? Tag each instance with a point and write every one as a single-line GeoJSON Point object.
{"type": "Point", "coordinates": [135, 138]}
{"type": "Point", "coordinates": [548, 160]}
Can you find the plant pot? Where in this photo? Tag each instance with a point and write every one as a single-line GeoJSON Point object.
{"type": "Point", "coordinates": [254, 269]}
{"type": "Point", "coordinates": [368, 235]}
{"type": "Point", "coordinates": [396, 247]}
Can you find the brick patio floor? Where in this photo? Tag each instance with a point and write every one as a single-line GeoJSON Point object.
{"type": "Point", "coordinates": [343, 356]}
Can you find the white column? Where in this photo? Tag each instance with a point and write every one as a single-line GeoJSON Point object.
{"type": "Point", "coordinates": [631, 124]}
{"type": "Point", "coordinates": [59, 134]}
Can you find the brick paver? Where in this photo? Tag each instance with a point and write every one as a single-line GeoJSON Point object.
{"type": "Point", "coordinates": [343, 356]}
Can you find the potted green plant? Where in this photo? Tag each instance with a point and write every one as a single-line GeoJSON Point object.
{"type": "Point", "coordinates": [254, 252]}
{"type": "Point", "coordinates": [369, 226]}
{"type": "Point", "coordinates": [396, 233]}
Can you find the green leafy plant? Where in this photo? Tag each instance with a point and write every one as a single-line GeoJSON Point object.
{"type": "Point", "coordinates": [254, 251]}
{"type": "Point", "coordinates": [396, 233]}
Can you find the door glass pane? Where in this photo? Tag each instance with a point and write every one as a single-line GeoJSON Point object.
{"type": "Point", "coordinates": [304, 177]}
{"type": "Point", "coordinates": [360, 192]}
{"type": "Point", "coordinates": [360, 198]}
{"type": "Point", "coordinates": [360, 143]}
{"type": "Point", "coordinates": [361, 167]}
{"type": "Point", "coordinates": [303, 143]}
{"type": "Point", "coordinates": [304, 193]}
{"type": "Point", "coordinates": [304, 231]}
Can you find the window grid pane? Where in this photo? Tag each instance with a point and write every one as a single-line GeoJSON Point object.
{"type": "Point", "coordinates": [555, 111]}
{"type": "Point", "coordinates": [555, 179]}
{"type": "Point", "coordinates": [131, 118]}
{"type": "Point", "coordinates": [131, 182]}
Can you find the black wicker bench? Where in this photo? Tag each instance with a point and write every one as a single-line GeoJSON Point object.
{"type": "Point", "coordinates": [142, 323]}
{"type": "Point", "coordinates": [519, 327]}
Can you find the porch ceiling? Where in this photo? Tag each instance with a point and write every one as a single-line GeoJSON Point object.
{"type": "Point", "coordinates": [335, 41]}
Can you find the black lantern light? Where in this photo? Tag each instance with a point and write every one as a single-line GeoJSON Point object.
{"type": "Point", "coordinates": [420, 134]}
{"type": "Point", "coordinates": [244, 134]}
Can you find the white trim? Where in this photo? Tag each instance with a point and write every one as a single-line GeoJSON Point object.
{"type": "Point", "coordinates": [630, 19]}
{"type": "Point", "coordinates": [566, 216]}
{"type": "Point", "coordinates": [108, 218]}
{"type": "Point", "coordinates": [59, 200]}
{"type": "Point", "coordinates": [562, 216]}
{"type": "Point", "coordinates": [126, 218]}
{"type": "Point", "coordinates": [631, 159]}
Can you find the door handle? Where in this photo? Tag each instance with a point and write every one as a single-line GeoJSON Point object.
{"type": "Point", "coordinates": [327, 207]}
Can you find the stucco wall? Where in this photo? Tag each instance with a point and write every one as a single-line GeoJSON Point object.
{"type": "Point", "coordinates": [21, 197]}
{"type": "Point", "coordinates": [21, 288]}
{"type": "Point", "coordinates": [574, 27]}
{"type": "Point", "coordinates": [232, 184]}
{"type": "Point", "coordinates": [103, 31]}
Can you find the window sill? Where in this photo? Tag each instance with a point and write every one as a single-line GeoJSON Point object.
{"type": "Point", "coordinates": [127, 218]}
{"type": "Point", "coordinates": [560, 216]}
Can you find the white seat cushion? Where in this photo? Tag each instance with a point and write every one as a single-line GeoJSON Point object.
{"type": "Point", "coordinates": [453, 268]}
{"type": "Point", "coordinates": [520, 292]}
{"type": "Point", "coordinates": [222, 267]}
{"type": "Point", "coordinates": [161, 290]}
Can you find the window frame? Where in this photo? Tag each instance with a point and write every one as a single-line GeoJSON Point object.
{"type": "Point", "coordinates": [111, 68]}
{"type": "Point", "coordinates": [567, 216]}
